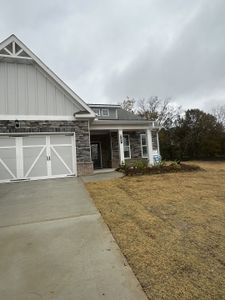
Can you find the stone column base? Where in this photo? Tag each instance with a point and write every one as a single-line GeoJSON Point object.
{"type": "Point", "coordinates": [84, 168]}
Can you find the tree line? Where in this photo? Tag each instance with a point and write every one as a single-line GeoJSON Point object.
{"type": "Point", "coordinates": [184, 135]}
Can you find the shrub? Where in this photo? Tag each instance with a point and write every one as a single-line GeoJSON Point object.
{"type": "Point", "coordinates": [141, 168]}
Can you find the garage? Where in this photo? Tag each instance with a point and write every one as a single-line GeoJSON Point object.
{"type": "Point", "coordinates": [37, 156]}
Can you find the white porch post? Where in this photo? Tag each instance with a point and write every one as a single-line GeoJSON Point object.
{"type": "Point", "coordinates": [121, 146]}
{"type": "Point", "coordinates": [157, 134]}
{"type": "Point", "coordinates": [149, 143]}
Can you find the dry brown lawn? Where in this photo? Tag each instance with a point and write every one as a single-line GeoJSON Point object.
{"type": "Point", "coordinates": [171, 229]}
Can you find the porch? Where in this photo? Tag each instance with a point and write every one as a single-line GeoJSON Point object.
{"type": "Point", "coordinates": [112, 147]}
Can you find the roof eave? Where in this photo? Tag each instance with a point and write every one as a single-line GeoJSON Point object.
{"type": "Point", "coordinates": [104, 124]}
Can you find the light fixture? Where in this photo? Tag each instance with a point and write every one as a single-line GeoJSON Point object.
{"type": "Point", "coordinates": [17, 124]}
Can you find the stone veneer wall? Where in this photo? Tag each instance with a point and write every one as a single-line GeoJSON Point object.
{"type": "Point", "coordinates": [135, 147]}
{"type": "Point", "coordinates": [81, 129]}
{"type": "Point", "coordinates": [115, 150]}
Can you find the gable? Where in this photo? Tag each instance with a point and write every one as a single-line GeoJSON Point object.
{"type": "Point", "coordinates": [29, 88]}
{"type": "Point", "coordinates": [26, 90]}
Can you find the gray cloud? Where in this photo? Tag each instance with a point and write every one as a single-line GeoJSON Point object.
{"type": "Point", "coordinates": [107, 50]}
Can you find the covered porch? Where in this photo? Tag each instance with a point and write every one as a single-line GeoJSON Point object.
{"type": "Point", "coordinates": [111, 146]}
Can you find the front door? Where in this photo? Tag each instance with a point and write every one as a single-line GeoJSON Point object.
{"type": "Point", "coordinates": [96, 155]}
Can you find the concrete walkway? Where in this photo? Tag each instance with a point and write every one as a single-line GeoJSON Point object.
{"type": "Point", "coordinates": [55, 245]}
{"type": "Point", "coordinates": [102, 176]}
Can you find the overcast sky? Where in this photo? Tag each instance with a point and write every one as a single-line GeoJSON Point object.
{"type": "Point", "coordinates": [106, 50]}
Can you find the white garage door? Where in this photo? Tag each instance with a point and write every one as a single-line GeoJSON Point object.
{"type": "Point", "coordinates": [36, 156]}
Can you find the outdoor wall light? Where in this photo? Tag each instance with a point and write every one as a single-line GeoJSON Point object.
{"type": "Point", "coordinates": [17, 124]}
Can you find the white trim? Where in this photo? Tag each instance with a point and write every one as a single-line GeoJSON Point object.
{"type": "Point", "coordinates": [82, 116]}
{"type": "Point", "coordinates": [126, 122]}
{"type": "Point", "coordinates": [150, 150]}
{"type": "Point", "coordinates": [116, 114]}
{"type": "Point", "coordinates": [119, 126]}
{"type": "Point", "coordinates": [121, 148]}
{"type": "Point", "coordinates": [14, 48]}
{"type": "Point", "coordinates": [7, 147]}
{"type": "Point", "coordinates": [36, 178]}
{"type": "Point", "coordinates": [127, 146]}
{"type": "Point", "coordinates": [16, 134]}
{"type": "Point", "coordinates": [11, 57]}
{"type": "Point", "coordinates": [19, 157]}
{"type": "Point", "coordinates": [20, 51]}
{"type": "Point", "coordinates": [158, 146]}
{"type": "Point", "coordinates": [13, 38]}
{"type": "Point", "coordinates": [37, 117]}
{"type": "Point", "coordinates": [48, 154]}
{"type": "Point", "coordinates": [123, 124]}
{"type": "Point", "coordinates": [7, 50]}
{"type": "Point", "coordinates": [142, 155]}
{"type": "Point", "coordinates": [104, 105]}
{"type": "Point", "coordinates": [74, 153]}
{"type": "Point", "coordinates": [107, 110]}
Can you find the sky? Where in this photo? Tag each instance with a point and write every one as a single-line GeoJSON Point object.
{"type": "Point", "coordinates": [107, 50]}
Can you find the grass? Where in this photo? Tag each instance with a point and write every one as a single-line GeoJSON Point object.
{"type": "Point", "coordinates": [171, 229]}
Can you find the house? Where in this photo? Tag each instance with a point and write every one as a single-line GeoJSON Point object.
{"type": "Point", "coordinates": [48, 131]}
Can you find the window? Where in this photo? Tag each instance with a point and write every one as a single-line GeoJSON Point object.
{"type": "Point", "coordinates": [97, 111]}
{"type": "Point", "coordinates": [126, 145]}
{"type": "Point", "coordinates": [105, 112]}
{"type": "Point", "coordinates": [144, 146]}
{"type": "Point", "coordinates": [154, 140]}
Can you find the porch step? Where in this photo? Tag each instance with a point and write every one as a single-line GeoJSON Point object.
{"type": "Point", "coordinates": [106, 170]}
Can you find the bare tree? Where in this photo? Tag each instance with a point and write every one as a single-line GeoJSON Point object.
{"type": "Point", "coordinates": [156, 109]}
{"type": "Point", "coordinates": [128, 104]}
{"type": "Point", "coordinates": [219, 114]}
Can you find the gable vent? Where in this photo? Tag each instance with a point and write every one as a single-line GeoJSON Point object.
{"type": "Point", "coordinates": [13, 50]}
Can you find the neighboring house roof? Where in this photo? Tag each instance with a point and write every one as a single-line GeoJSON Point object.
{"type": "Point", "coordinates": [13, 50]}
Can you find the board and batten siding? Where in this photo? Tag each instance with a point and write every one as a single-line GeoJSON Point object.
{"type": "Point", "coordinates": [25, 89]}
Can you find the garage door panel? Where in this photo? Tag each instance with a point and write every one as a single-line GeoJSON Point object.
{"type": "Point", "coordinates": [64, 155]}
{"type": "Point", "coordinates": [61, 139]}
{"type": "Point", "coordinates": [34, 160]}
{"type": "Point", "coordinates": [36, 156]}
{"type": "Point", "coordinates": [58, 166]}
{"type": "Point", "coordinates": [40, 167]}
{"type": "Point", "coordinates": [5, 174]}
{"type": "Point", "coordinates": [7, 142]}
{"type": "Point", "coordinates": [8, 163]}
{"type": "Point", "coordinates": [34, 140]}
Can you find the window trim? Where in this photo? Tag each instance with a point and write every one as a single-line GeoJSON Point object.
{"type": "Point", "coordinates": [142, 145]}
{"type": "Point", "coordinates": [106, 110]}
{"type": "Point", "coordinates": [127, 146]}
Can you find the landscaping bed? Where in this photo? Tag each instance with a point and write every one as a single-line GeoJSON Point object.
{"type": "Point", "coordinates": [141, 168]}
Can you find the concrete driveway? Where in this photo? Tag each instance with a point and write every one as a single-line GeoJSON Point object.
{"type": "Point", "coordinates": [55, 245]}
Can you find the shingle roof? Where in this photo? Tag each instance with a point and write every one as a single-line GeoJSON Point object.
{"type": "Point", "coordinates": [122, 114]}
{"type": "Point", "coordinates": [126, 115]}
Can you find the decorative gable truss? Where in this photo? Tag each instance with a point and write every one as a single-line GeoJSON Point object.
{"type": "Point", "coordinates": [14, 50]}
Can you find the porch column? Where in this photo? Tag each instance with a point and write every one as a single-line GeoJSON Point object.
{"type": "Point", "coordinates": [157, 134]}
{"type": "Point", "coordinates": [149, 144]}
{"type": "Point", "coordinates": [121, 146]}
